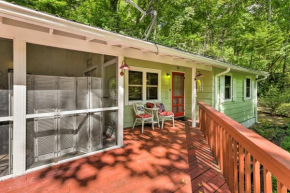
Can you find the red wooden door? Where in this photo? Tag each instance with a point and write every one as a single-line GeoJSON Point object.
{"type": "Point", "coordinates": [178, 94]}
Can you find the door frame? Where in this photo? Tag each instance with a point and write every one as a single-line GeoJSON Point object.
{"type": "Point", "coordinates": [183, 113]}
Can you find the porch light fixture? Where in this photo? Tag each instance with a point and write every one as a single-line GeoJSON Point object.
{"type": "Point", "coordinates": [199, 75]}
{"type": "Point", "coordinates": [168, 75]}
{"type": "Point", "coordinates": [124, 67]}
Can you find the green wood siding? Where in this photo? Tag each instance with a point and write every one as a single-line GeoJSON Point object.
{"type": "Point", "coordinates": [242, 109]}
{"type": "Point", "coordinates": [129, 116]}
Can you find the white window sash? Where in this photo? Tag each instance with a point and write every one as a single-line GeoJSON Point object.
{"type": "Point", "coordinates": [144, 85]}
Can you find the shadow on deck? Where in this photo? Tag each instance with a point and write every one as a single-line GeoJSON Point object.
{"type": "Point", "coordinates": [175, 159]}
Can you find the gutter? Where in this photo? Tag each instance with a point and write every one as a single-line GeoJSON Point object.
{"type": "Point", "coordinates": [215, 87]}
{"type": "Point", "coordinates": [256, 95]}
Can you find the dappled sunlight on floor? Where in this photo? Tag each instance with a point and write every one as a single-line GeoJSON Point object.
{"type": "Point", "coordinates": [173, 159]}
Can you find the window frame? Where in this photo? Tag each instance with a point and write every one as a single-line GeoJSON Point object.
{"type": "Point", "coordinates": [231, 89]}
{"type": "Point", "coordinates": [144, 85]}
{"type": "Point", "coordinates": [245, 90]}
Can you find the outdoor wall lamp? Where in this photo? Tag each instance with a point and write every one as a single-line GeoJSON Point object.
{"type": "Point", "coordinates": [168, 75]}
{"type": "Point", "coordinates": [198, 75]}
{"type": "Point", "coordinates": [124, 67]}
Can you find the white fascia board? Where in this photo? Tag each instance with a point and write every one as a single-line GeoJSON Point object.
{"type": "Point", "coordinates": [37, 18]}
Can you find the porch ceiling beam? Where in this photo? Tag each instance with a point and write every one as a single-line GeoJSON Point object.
{"type": "Point", "coordinates": [1, 20]}
{"type": "Point", "coordinates": [51, 31]}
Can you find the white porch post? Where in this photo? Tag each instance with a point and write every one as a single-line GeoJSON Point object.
{"type": "Point", "coordinates": [120, 102]}
{"type": "Point", "coordinates": [193, 104]}
{"type": "Point", "coordinates": [19, 109]}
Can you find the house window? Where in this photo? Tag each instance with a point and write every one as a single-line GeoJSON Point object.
{"type": "Point", "coordinates": [199, 85]}
{"type": "Point", "coordinates": [135, 85]}
{"type": "Point", "coordinates": [248, 88]}
{"type": "Point", "coordinates": [152, 86]}
{"type": "Point", "coordinates": [228, 87]}
{"type": "Point", "coordinates": [143, 85]}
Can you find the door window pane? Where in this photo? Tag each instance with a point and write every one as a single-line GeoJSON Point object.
{"type": "Point", "coordinates": [178, 82]}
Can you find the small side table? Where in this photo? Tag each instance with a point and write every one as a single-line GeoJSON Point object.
{"type": "Point", "coordinates": [154, 112]}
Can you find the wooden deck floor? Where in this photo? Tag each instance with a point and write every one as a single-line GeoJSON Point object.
{"type": "Point", "coordinates": [175, 159]}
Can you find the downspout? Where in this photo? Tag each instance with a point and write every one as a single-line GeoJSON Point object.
{"type": "Point", "coordinates": [256, 95]}
{"type": "Point", "coordinates": [216, 89]}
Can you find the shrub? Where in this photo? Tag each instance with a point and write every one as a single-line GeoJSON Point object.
{"type": "Point", "coordinates": [273, 99]}
{"type": "Point", "coordinates": [284, 109]}
{"type": "Point", "coordinates": [285, 144]}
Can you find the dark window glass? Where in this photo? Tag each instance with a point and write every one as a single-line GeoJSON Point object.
{"type": "Point", "coordinates": [228, 84]}
{"type": "Point", "coordinates": [152, 93]}
{"type": "Point", "coordinates": [135, 78]}
{"type": "Point", "coordinates": [227, 81]}
{"type": "Point", "coordinates": [152, 79]}
{"type": "Point", "coordinates": [248, 87]}
{"type": "Point", "coordinates": [135, 93]}
{"type": "Point", "coordinates": [227, 93]}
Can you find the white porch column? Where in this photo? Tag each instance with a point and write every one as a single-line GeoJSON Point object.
{"type": "Point", "coordinates": [19, 109]}
{"type": "Point", "coordinates": [193, 104]}
{"type": "Point", "coordinates": [120, 103]}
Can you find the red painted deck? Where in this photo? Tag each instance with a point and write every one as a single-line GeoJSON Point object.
{"type": "Point", "coordinates": [175, 159]}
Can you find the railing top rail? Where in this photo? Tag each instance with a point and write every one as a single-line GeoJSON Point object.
{"type": "Point", "coordinates": [271, 156]}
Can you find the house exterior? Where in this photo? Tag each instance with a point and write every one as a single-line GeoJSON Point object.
{"type": "Point", "coordinates": [63, 97]}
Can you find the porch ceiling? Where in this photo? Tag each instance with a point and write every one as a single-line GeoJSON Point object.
{"type": "Point", "coordinates": [34, 19]}
{"type": "Point", "coordinates": [175, 159]}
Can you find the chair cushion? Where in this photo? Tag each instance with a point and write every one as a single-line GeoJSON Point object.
{"type": "Point", "coordinates": [166, 113]}
{"type": "Point", "coordinates": [161, 107]}
{"type": "Point", "coordinates": [140, 109]}
{"type": "Point", "coordinates": [150, 105]}
{"type": "Point", "coordinates": [144, 116]}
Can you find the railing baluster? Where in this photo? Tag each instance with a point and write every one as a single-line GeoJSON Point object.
{"type": "Point", "coordinates": [248, 172]}
{"type": "Point", "coordinates": [257, 185]}
{"type": "Point", "coordinates": [231, 163]}
{"type": "Point", "coordinates": [221, 148]}
{"type": "Point", "coordinates": [281, 188]}
{"type": "Point", "coordinates": [241, 169]}
{"type": "Point", "coordinates": [236, 190]}
{"type": "Point", "coordinates": [267, 181]}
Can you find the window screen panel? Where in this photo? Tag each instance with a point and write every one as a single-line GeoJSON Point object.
{"type": "Point", "coordinates": [96, 131]}
{"type": "Point", "coordinates": [45, 94]}
{"type": "Point", "coordinates": [83, 135]}
{"type": "Point", "coordinates": [152, 93]}
{"type": "Point", "coordinates": [46, 141]}
{"type": "Point", "coordinates": [135, 78]}
{"type": "Point", "coordinates": [82, 93]}
{"type": "Point", "coordinates": [96, 93]}
{"type": "Point", "coordinates": [67, 134]}
{"type": "Point", "coordinates": [135, 93]}
{"type": "Point", "coordinates": [66, 93]}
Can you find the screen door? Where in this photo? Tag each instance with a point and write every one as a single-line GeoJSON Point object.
{"type": "Point", "coordinates": [178, 94]}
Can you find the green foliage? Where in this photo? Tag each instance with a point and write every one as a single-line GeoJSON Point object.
{"type": "Point", "coordinates": [273, 99]}
{"type": "Point", "coordinates": [240, 32]}
{"type": "Point", "coordinates": [284, 109]}
{"type": "Point", "coordinates": [285, 144]}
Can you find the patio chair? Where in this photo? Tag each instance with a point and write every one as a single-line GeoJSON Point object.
{"type": "Point", "coordinates": [163, 114]}
{"type": "Point", "coordinates": [142, 115]}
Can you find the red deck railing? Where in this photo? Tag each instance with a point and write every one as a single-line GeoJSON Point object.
{"type": "Point", "coordinates": [247, 160]}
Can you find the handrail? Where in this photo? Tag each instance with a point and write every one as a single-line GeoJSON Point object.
{"type": "Point", "coordinates": [233, 146]}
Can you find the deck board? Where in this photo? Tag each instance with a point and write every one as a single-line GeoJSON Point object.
{"type": "Point", "coordinates": [175, 159]}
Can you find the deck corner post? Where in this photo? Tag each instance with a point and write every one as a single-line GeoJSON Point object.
{"type": "Point", "coordinates": [19, 108]}
{"type": "Point", "coordinates": [193, 103]}
{"type": "Point", "coordinates": [120, 134]}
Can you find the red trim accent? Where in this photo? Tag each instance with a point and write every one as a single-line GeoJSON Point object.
{"type": "Point", "coordinates": [178, 114]}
